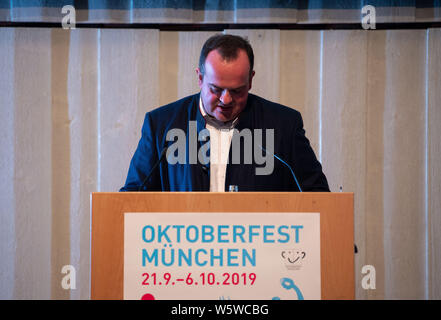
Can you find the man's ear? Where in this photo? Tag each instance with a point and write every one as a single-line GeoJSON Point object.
{"type": "Point", "coordinates": [200, 77]}
{"type": "Point", "coordinates": [251, 80]}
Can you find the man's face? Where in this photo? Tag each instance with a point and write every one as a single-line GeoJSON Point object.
{"type": "Point", "coordinates": [225, 85]}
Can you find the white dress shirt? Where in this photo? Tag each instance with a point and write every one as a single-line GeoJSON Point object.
{"type": "Point", "coordinates": [221, 134]}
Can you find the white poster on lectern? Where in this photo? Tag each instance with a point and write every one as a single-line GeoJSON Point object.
{"type": "Point", "coordinates": [226, 256]}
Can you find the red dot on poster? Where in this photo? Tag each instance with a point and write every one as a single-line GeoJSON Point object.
{"type": "Point", "coordinates": [148, 296]}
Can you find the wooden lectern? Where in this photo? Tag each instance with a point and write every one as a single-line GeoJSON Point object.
{"type": "Point", "coordinates": [336, 230]}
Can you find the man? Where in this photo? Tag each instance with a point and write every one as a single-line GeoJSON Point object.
{"type": "Point", "coordinates": [224, 137]}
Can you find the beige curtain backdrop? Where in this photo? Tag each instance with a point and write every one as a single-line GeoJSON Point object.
{"type": "Point", "coordinates": [71, 110]}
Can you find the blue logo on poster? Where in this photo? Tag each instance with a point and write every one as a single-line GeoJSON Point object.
{"type": "Point", "coordinates": [288, 283]}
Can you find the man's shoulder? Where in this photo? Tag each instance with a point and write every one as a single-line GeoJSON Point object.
{"type": "Point", "coordinates": [175, 108]}
{"type": "Point", "coordinates": [273, 109]}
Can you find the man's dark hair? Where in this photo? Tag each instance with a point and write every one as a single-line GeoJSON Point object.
{"type": "Point", "coordinates": [228, 46]}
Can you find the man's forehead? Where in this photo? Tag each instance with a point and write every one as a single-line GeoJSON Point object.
{"type": "Point", "coordinates": [225, 80]}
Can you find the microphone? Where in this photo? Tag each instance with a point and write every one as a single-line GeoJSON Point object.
{"type": "Point", "coordinates": [161, 156]}
{"type": "Point", "coordinates": [286, 164]}
{"type": "Point", "coordinates": [205, 168]}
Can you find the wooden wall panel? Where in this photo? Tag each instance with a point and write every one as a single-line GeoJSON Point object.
{"type": "Point", "coordinates": [299, 84]}
{"type": "Point", "coordinates": [168, 64]}
{"type": "Point", "coordinates": [7, 164]}
{"type": "Point", "coordinates": [344, 83]}
{"type": "Point", "coordinates": [61, 158]}
{"type": "Point", "coordinates": [83, 114]}
{"type": "Point", "coordinates": [404, 161]}
{"type": "Point", "coordinates": [371, 221]}
{"type": "Point", "coordinates": [433, 127]}
{"type": "Point", "coordinates": [128, 88]}
{"type": "Point", "coordinates": [33, 163]}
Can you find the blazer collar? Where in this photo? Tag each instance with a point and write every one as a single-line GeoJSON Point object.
{"type": "Point", "coordinates": [247, 114]}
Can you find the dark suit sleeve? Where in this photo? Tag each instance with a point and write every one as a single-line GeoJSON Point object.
{"type": "Point", "coordinates": [143, 161]}
{"type": "Point", "coordinates": [306, 166]}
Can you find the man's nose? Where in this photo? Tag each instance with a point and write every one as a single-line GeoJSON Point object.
{"type": "Point", "coordinates": [225, 98]}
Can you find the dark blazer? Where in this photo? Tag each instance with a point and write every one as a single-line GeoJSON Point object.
{"type": "Point", "coordinates": [290, 144]}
